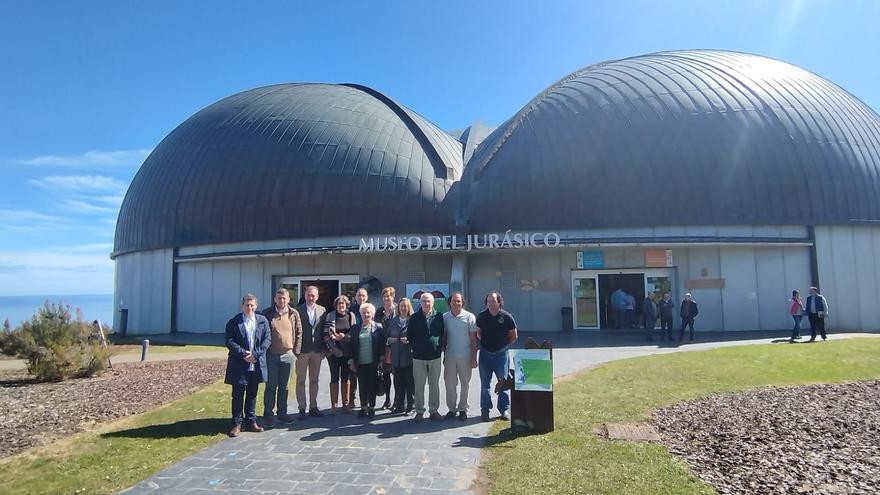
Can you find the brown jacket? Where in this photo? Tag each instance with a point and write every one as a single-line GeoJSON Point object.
{"type": "Point", "coordinates": [271, 314]}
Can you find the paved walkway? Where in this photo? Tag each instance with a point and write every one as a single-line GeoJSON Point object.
{"type": "Point", "coordinates": [389, 455]}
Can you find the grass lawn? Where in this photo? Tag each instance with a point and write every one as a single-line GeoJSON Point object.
{"type": "Point", "coordinates": [574, 460]}
{"type": "Point", "coordinates": [121, 453]}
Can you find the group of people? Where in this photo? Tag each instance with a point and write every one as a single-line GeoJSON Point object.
{"type": "Point", "coordinates": [367, 350]}
{"type": "Point", "coordinates": [816, 309]}
{"type": "Point", "coordinates": [652, 310]}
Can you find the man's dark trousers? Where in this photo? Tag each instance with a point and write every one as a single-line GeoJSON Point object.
{"type": "Point", "coordinates": [244, 397]}
{"type": "Point", "coordinates": [666, 327]}
{"type": "Point", "coordinates": [816, 323]}
{"type": "Point", "coordinates": [686, 322]}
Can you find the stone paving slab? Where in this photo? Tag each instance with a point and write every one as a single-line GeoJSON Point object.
{"type": "Point", "coordinates": [384, 456]}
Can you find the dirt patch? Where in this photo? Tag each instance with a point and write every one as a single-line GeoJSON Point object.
{"type": "Point", "coordinates": [33, 414]}
{"type": "Point", "coordinates": [787, 440]}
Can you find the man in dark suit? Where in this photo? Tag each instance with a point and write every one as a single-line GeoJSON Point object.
{"type": "Point", "coordinates": [248, 339]}
{"type": "Point", "coordinates": [311, 354]}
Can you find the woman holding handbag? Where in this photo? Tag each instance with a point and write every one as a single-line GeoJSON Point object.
{"type": "Point", "coordinates": [796, 310]}
{"type": "Point", "coordinates": [337, 339]}
{"type": "Point", "coordinates": [399, 355]}
{"type": "Point", "coordinates": [383, 317]}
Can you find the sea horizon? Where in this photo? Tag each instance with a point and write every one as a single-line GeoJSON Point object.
{"type": "Point", "coordinates": [21, 308]}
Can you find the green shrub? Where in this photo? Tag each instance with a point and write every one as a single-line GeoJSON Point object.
{"type": "Point", "coordinates": [56, 345]}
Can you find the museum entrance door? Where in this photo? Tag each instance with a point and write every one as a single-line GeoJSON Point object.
{"type": "Point", "coordinates": [614, 289]}
{"type": "Point", "coordinates": [592, 291]}
{"type": "Point", "coordinates": [329, 287]}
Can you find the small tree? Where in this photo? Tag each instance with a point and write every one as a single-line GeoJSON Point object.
{"type": "Point", "coordinates": [56, 346]}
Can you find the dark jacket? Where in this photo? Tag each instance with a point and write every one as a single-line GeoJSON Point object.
{"type": "Point", "coordinates": [649, 309]}
{"type": "Point", "coordinates": [312, 336]}
{"type": "Point", "coordinates": [330, 327]}
{"type": "Point", "coordinates": [378, 342]}
{"type": "Point", "coordinates": [426, 343]}
{"type": "Point", "coordinates": [237, 343]}
{"type": "Point", "coordinates": [821, 304]}
{"type": "Point", "coordinates": [689, 309]}
{"type": "Point", "coordinates": [665, 308]}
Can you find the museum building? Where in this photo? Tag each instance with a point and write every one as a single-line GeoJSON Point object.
{"type": "Point", "coordinates": [731, 176]}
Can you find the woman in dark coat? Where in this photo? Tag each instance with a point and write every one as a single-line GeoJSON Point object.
{"type": "Point", "coordinates": [337, 338]}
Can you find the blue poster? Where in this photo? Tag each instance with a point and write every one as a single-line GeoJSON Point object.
{"type": "Point", "coordinates": [590, 259]}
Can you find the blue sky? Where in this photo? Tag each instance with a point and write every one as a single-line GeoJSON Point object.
{"type": "Point", "coordinates": [89, 88]}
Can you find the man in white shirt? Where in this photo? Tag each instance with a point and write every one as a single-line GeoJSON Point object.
{"type": "Point", "coordinates": [311, 352]}
{"type": "Point", "coordinates": [460, 356]}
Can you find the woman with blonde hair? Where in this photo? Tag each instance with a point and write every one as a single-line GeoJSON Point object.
{"type": "Point", "coordinates": [383, 316]}
{"type": "Point", "coordinates": [400, 355]}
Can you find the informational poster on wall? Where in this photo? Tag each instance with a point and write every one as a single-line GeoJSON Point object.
{"type": "Point", "coordinates": [658, 258]}
{"type": "Point", "coordinates": [439, 291]}
{"type": "Point", "coordinates": [532, 370]}
{"type": "Point", "coordinates": [590, 259]}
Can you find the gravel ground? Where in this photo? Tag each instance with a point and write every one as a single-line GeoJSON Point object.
{"type": "Point", "coordinates": [34, 414]}
{"type": "Point", "coordinates": [792, 440]}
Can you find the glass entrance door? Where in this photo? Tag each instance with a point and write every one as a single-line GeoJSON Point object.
{"type": "Point", "coordinates": [586, 304]}
{"type": "Point", "coordinates": [329, 287]}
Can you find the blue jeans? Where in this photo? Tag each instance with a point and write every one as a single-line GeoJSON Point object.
{"type": "Point", "coordinates": [493, 364]}
{"type": "Point", "coordinates": [796, 331]}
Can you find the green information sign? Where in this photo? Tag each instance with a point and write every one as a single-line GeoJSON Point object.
{"type": "Point", "coordinates": [533, 370]}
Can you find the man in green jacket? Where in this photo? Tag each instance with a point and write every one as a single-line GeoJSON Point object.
{"type": "Point", "coordinates": [427, 336]}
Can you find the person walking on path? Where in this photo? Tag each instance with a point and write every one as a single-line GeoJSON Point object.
{"type": "Point", "coordinates": [796, 310]}
{"type": "Point", "coordinates": [666, 306]}
{"type": "Point", "coordinates": [496, 331]}
{"type": "Point", "coordinates": [688, 314]}
{"type": "Point", "coordinates": [337, 339]}
{"type": "Point", "coordinates": [649, 310]}
{"type": "Point", "coordinates": [427, 335]}
{"type": "Point", "coordinates": [286, 328]}
{"type": "Point", "coordinates": [460, 357]}
{"type": "Point", "coordinates": [311, 355]}
{"type": "Point", "coordinates": [401, 358]}
{"type": "Point", "coordinates": [384, 315]}
{"type": "Point", "coordinates": [817, 311]}
{"type": "Point", "coordinates": [247, 338]}
{"type": "Point", "coordinates": [368, 348]}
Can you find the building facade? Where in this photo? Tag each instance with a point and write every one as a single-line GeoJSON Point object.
{"type": "Point", "coordinates": [731, 176]}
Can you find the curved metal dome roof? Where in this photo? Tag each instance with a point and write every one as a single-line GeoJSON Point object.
{"type": "Point", "coordinates": [698, 137]}
{"type": "Point", "coordinates": [335, 159]}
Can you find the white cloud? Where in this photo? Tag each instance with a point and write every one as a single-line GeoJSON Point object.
{"type": "Point", "coordinates": [55, 271]}
{"type": "Point", "coordinates": [103, 247]}
{"type": "Point", "coordinates": [18, 220]}
{"type": "Point", "coordinates": [79, 206]}
{"type": "Point", "coordinates": [15, 216]}
{"type": "Point", "coordinates": [80, 182]}
{"type": "Point", "coordinates": [115, 200]}
{"type": "Point", "coordinates": [89, 158]}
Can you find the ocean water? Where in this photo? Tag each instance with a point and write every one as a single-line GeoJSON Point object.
{"type": "Point", "coordinates": [21, 308]}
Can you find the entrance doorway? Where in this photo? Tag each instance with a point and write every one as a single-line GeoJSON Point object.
{"type": "Point", "coordinates": [329, 287]}
{"type": "Point", "coordinates": [614, 291]}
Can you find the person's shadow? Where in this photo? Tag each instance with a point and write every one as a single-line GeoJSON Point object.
{"type": "Point", "coordinates": [179, 429]}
